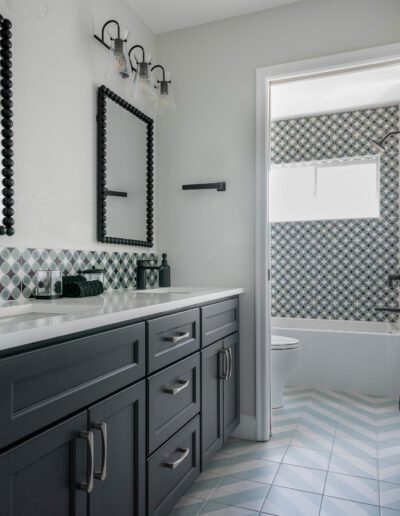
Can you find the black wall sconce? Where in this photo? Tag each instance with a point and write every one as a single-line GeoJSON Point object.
{"type": "Point", "coordinates": [143, 88]}
{"type": "Point", "coordinates": [119, 60]}
{"type": "Point", "coordinates": [147, 85]}
{"type": "Point", "coordinates": [165, 100]}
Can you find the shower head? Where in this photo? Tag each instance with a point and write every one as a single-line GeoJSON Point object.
{"type": "Point", "coordinates": [379, 144]}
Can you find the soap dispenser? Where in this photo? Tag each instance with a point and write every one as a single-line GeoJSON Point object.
{"type": "Point", "coordinates": [164, 272]}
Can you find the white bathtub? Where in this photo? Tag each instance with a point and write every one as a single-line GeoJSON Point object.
{"type": "Point", "coordinates": [349, 356]}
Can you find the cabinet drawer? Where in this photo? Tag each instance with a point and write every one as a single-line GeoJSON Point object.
{"type": "Point", "coordinates": [172, 337]}
{"type": "Point", "coordinates": [42, 386]}
{"type": "Point", "coordinates": [219, 320]}
{"type": "Point", "coordinates": [174, 399]}
{"type": "Point", "coordinates": [173, 468]}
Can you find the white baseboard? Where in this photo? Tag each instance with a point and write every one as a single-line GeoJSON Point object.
{"type": "Point", "coordinates": [247, 428]}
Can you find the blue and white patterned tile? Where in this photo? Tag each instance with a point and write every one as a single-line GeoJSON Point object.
{"type": "Point", "coordinates": [302, 479]}
{"type": "Point", "coordinates": [240, 493]}
{"type": "Point", "coordinates": [354, 465]}
{"type": "Point", "coordinates": [389, 451]}
{"type": "Point", "coordinates": [389, 512]}
{"type": "Point", "coordinates": [218, 466]}
{"type": "Point", "coordinates": [256, 470]}
{"type": "Point", "coordinates": [10, 274]}
{"type": "Point", "coordinates": [274, 453]}
{"type": "Point", "coordinates": [390, 495]}
{"type": "Point", "coordinates": [362, 448]}
{"type": "Point", "coordinates": [187, 506]}
{"type": "Point", "coordinates": [363, 490]}
{"type": "Point", "coordinates": [218, 509]}
{"type": "Point", "coordinates": [338, 507]}
{"type": "Point", "coordinates": [203, 487]}
{"type": "Point", "coordinates": [289, 502]}
{"type": "Point", "coordinates": [389, 471]}
{"type": "Point", "coordinates": [313, 440]}
{"type": "Point", "coordinates": [307, 458]}
{"type": "Point", "coordinates": [239, 446]}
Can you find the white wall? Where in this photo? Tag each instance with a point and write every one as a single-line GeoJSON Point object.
{"type": "Point", "coordinates": [209, 235]}
{"type": "Point", "coordinates": [57, 68]}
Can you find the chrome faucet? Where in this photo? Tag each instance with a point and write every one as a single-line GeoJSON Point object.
{"type": "Point", "coordinates": [142, 267]}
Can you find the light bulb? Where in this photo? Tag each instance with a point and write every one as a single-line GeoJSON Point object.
{"type": "Point", "coordinates": [143, 88]}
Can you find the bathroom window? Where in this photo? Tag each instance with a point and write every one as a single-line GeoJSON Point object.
{"type": "Point", "coordinates": [324, 190]}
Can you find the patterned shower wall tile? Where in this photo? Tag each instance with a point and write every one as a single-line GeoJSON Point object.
{"type": "Point", "coordinates": [337, 269]}
{"type": "Point", "coordinates": [10, 274]}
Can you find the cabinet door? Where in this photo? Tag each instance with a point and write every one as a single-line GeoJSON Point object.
{"type": "Point", "coordinates": [119, 425]}
{"type": "Point", "coordinates": [214, 367]}
{"type": "Point", "coordinates": [41, 476]}
{"type": "Point", "coordinates": [232, 386]}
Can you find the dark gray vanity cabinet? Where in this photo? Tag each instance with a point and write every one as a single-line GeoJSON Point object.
{"type": "Point", "coordinates": [119, 428]}
{"type": "Point", "coordinates": [40, 476]}
{"type": "Point", "coordinates": [54, 474]}
{"type": "Point", "coordinates": [119, 421]}
{"type": "Point", "coordinates": [220, 363]}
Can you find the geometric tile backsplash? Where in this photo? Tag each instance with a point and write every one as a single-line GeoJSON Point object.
{"type": "Point", "coordinates": [18, 267]}
{"type": "Point", "coordinates": [337, 269]}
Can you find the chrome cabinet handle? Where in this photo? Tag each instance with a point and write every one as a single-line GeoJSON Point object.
{"type": "Point", "coordinates": [177, 338]}
{"type": "Point", "coordinates": [230, 362]}
{"type": "Point", "coordinates": [102, 474]}
{"type": "Point", "coordinates": [224, 357]}
{"type": "Point", "coordinates": [88, 486]}
{"type": "Point", "coordinates": [174, 464]}
{"type": "Point", "coordinates": [176, 390]}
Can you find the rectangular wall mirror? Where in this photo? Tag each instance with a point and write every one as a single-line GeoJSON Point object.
{"type": "Point", "coordinates": [125, 172]}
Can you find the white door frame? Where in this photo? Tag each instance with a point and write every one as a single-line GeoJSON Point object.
{"type": "Point", "coordinates": [264, 78]}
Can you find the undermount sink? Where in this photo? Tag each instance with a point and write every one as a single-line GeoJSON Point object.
{"type": "Point", "coordinates": [167, 290]}
{"type": "Point", "coordinates": [33, 311]}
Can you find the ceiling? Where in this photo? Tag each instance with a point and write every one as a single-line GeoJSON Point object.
{"type": "Point", "coordinates": [352, 90]}
{"type": "Point", "coordinates": [166, 15]}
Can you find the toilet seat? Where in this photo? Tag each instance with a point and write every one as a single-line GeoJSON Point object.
{"type": "Point", "coordinates": [279, 343]}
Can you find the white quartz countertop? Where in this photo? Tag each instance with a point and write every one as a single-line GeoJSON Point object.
{"type": "Point", "coordinates": [45, 320]}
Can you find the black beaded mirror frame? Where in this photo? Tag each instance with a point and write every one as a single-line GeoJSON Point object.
{"type": "Point", "coordinates": [103, 94]}
{"type": "Point", "coordinates": [7, 143]}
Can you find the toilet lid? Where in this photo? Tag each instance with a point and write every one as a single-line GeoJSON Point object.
{"type": "Point", "coordinates": [283, 343]}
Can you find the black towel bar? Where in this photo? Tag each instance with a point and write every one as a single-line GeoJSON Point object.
{"type": "Point", "coordinates": [220, 187]}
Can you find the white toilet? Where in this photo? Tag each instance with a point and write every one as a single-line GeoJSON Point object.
{"type": "Point", "coordinates": [284, 353]}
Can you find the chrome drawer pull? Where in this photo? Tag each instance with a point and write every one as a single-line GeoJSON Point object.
{"type": "Point", "coordinates": [173, 465]}
{"type": "Point", "coordinates": [88, 486]}
{"type": "Point", "coordinates": [176, 390]}
{"type": "Point", "coordinates": [177, 338]}
{"type": "Point", "coordinates": [230, 362]}
{"type": "Point", "coordinates": [102, 474]}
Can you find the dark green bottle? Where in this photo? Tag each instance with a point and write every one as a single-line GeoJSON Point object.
{"type": "Point", "coordinates": [164, 272]}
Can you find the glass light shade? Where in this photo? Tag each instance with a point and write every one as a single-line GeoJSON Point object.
{"type": "Point", "coordinates": [118, 65]}
{"type": "Point", "coordinates": [165, 100]}
{"type": "Point", "coordinates": [143, 87]}
{"type": "Point", "coordinates": [28, 8]}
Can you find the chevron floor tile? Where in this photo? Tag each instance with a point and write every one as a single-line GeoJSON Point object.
{"type": "Point", "coordinates": [330, 454]}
